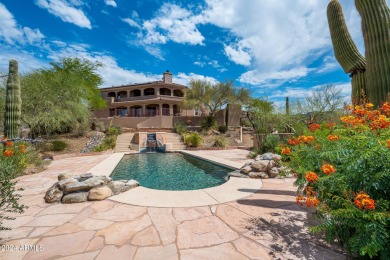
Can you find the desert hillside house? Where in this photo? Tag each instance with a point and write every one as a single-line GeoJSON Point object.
{"type": "Point", "coordinates": [143, 105]}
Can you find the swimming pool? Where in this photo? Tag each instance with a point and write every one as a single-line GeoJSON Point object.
{"type": "Point", "coordinates": [170, 171]}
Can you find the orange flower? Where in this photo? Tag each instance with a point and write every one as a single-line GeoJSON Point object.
{"type": "Point", "coordinates": [333, 138]}
{"type": "Point", "coordinates": [306, 138]}
{"type": "Point", "coordinates": [286, 151]}
{"type": "Point", "coordinates": [388, 143]}
{"type": "Point", "coordinates": [369, 105]}
{"type": "Point", "coordinates": [8, 153]}
{"type": "Point", "coordinates": [363, 201]}
{"type": "Point", "coordinates": [300, 200]}
{"type": "Point", "coordinates": [22, 147]}
{"type": "Point", "coordinates": [8, 143]}
{"type": "Point", "coordinates": [330, 125]}
{"type": "Point", "coordinates": [314, 127]}
{"type": "Point", "coordinates": [312, 202]}
{"type": "Point", "coordinates": [311, 177]}
{"type": "Point", "coordinates": [293, 141]}
{"type": "Point", "coordinates": [328, 169]}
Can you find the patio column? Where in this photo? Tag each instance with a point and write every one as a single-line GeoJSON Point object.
{"type": "Point", "coordinates": [170, 109]}
{"type": "Point", "coordinates": [159, 110]}
{"type": "Point", "coordinates": [143, 109]}
{"type": "Point", "coordinates": [157, 91]}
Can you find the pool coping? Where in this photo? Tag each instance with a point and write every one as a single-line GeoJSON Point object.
{"type": "Point", "coordinates": [234, 189]}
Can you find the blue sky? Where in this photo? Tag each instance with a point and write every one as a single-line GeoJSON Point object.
{"type": "Point", "coordinates": [274, 48]}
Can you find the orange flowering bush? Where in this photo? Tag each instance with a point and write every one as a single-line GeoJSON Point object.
{"type": "Point", "coordinates": [343, 171]}
{"type": "Point", "coordinates": [286, 151]}
{"type": "Point", "coordinates": [314, 127]}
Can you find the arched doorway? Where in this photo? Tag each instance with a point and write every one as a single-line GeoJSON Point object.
{"type": "Point", "coordinates": [111, 94]}
{"type": "Point", "coordinates": [152, 110]}
{"type": "Point", "coordinates": [135, 111]}
{"type": "Point", "coordinates": [122, 94]}
{"type": "Point", "coordinates": [121, 111]}
{"type": "Point", "coordinates": [166, 110]}
{"type": "Point", "coordinates": [135, 93]}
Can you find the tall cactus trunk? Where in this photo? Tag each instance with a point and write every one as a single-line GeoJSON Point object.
{"type": "Point", "coordinates": [13, 102]}
{"type": "Point", "coordinates": [345, 50]}
{"type": "Point", "coordinates": [287, 106]}
{"type": "Point", "coordinates": [376, 32]}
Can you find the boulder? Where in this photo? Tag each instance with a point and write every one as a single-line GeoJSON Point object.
{"type": "Point", "coordinates": [276, 157]}
{"type": "Point", "coordinates": [246, 169]}
{"type": "Point", "coordinates": [116, 186]}
{"type": "Point", "coordinates": [266, 156]}
{"type": "Point", "coordinates": [61, 184]}
{"type": "Point", "coordinates": [258, 175]}
{"type": "Point", "coordinates": [54, 194]}
{"type": "Point", "coordinates": [99, 193]}
{"type": "Point", "coordinates": [273, 172]}
{"type": "Point", "coordinates": [87, 184]}
{"type": "Point", "coordinates": [78, 197]}
{"type": "Point", "coordinates": [260, 166]}
{"type": "Point", "coordinates": [63, 176]}
{"type": "Point", "coordinates": [271, 164]}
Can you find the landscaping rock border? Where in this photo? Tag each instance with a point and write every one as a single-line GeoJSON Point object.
{"type": "Point", "coordinates": [85, 187]}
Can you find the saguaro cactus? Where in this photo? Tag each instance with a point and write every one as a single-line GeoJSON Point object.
{"type": "Point", "coordinates": [13, 102]}
{"type": "Point", "coordinates": [370, 75]}
{"type": "Point", "coordinates": [287, 106]}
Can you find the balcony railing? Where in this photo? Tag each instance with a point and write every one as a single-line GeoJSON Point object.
{"type": "Point", "coordinates": [140, 98]}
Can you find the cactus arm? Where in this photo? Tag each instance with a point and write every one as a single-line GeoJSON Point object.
{"type": "Point", "coordinates": [345, 49]}
{"type": "Point", "coordinates": [13, 102]}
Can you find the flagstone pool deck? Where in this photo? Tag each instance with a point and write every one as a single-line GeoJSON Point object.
{"type": "Point", "coordinates": [263, 223]}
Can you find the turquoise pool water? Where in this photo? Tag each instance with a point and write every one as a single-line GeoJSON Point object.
{"type": "Point", "coordinates": [170, 171]}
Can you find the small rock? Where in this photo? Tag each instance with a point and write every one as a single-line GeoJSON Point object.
{"type": "Point", "coordinates": [63, 176]}
{"type": "Point", "coordinates": [246, 169]}
{"type": "Point", "coordinates": [258, 158]}
{"type": "Point", "coordinates": [132, 183]}
{"type": "Point", "coordinates": [87, 184]}
{"type": "Point", "coordinates": [99, 193]}
{"type": "Point", "coordinates": [237, 174]}
{"type": "Point", "coordinates": [260, 166]}
{"type": "Point", "coordinates": [54, 194]}
{"type": "Point", "coordinates": [267, 156]}
{"type": "Point", "coordinates": [85, 176]}
{"type": "Point", "coordinates": [258, 175]}
{"type": "Point", "coordinates": [117, 186]}
{"type": "Point", "coordinates": [273, 172]}
{"type": "Point", "coordinates": [78, 197]}
{"type": "Point", "coordinates": [276, 157]}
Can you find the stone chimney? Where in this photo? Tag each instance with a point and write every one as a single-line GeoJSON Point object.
{"type": "Point", "coordinates": [167, 77]}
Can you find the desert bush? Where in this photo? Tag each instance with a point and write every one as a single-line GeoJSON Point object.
{"type": "Point", "coordinates": [220, 141]}
{"type": "Point", "coordinates": [270, 143]}
{"type": "Point", "coordinates": [112, 131]}
{"type": "Point", "coordinates": [108, 142]}
{"type": "Point", "coordinates": [193, 139]}
{"type": "Point", "coordinates": [208, 123]}
{"type": "Point", "coordinates": [222, 128]}
{"type": "Point", "coordinates": [343, 170]}
{"type": "Point", "coordinates": [180, 128]}
{"type": "Point", "coordinates": [58, 145]}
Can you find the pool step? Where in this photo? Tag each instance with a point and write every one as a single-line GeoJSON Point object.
{"type": "Point", "coordinates": [123, 144]}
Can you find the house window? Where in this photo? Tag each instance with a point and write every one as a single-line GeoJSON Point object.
{"type": "Point", "coordinates": [149, 92]}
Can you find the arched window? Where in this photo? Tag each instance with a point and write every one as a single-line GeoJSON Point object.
{"type": "Point", "coordinates": [135, 93]}
{"type": "Point", "coordinates": [111, 94]}
{"type": "Point", "coordinates": [165, 91]}
{"type": "Point", "coordinates": [121, 111]}
{"type": "Point", "coordinates": [178, 93]}
{"type": "Point", "coordinates": [122, 94]}
{"type": "Point", "coordinates": [149, 92]}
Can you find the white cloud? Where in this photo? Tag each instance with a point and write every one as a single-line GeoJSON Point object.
{"type": "Point", "coordinates": [329, 64]}
{"type": "Point", "coordinates": [184, 79]}
{"type": "Point", "coordinates": [238, 54]}
{"type": "Point", "coordinates": [131, 22]}
{"type": "Point", "coordinates": [9, 31]}
{"type": "Point", "coordinates": [33, 36]}
{"type": "Point", "coordinates": [110, 3]}
{"type": "Point", "coordinates": [275, 78]}
{"type": "Point", "coordinates": [171, 23]}
{"type": "Point", "coordinates": [66, 11]}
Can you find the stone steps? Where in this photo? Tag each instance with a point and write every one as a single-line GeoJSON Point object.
{"type": "Point", "coordinates": [123, 144]}
{"type": "Point", "coordinates": [175, 140]}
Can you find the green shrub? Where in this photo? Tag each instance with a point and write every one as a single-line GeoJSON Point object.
{"type": "Point", "coordinates": [255, 152]}
{"type": "Point", "coordinates": [208, 123]}
{"type": "Point", "coordinates": [193, 139]}
{"type": "Point", "coordinates": [108, 142]}
{"type": "Point", "coordinates": [270, 143]}
{"type": "Point", "coordinates": [220, 141]}
{"type": "Point", "coordinates": [339, 166]}
{"type": "Point", "coordinates": [180, 128]}
{"type": "Point", "coordinates": [222, 128]}
{"type": "Point", "coordinates": [113, 131]}
{"type": "Point", "coordinates": [58, 145]}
